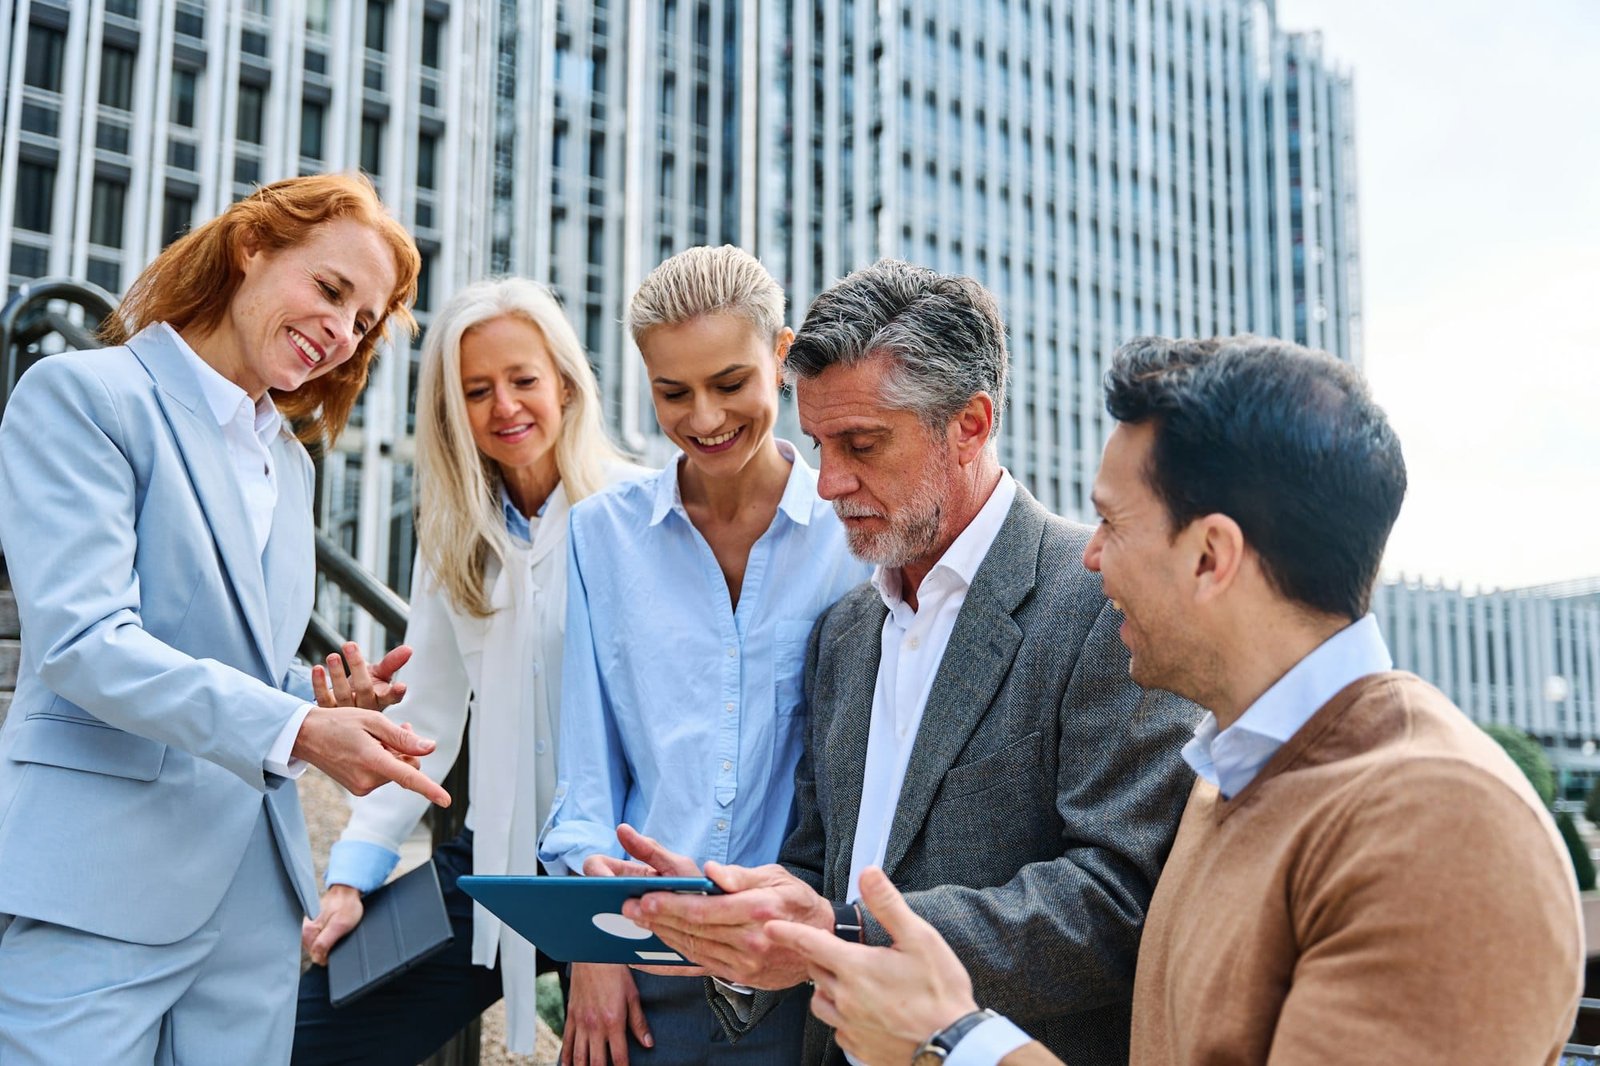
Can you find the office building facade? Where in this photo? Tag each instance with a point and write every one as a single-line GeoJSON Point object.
{"type": "Point", "coordinates": [1107, 167]}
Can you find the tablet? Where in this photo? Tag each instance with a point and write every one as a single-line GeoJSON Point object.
{"type": "Point", "coordinates": [404, 923]}
{"type": "Point", "coordinates": [579, 919]}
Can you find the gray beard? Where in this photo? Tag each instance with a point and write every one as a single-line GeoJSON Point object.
{"type": "Point", "coordinates": [906, 540]}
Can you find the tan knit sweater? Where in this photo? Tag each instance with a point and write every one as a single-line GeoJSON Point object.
{"type": "Point", "coordinates": [1387, 890]}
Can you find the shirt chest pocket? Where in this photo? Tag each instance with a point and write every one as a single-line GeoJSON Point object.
{"type": "Point", "coordinates": [788, 666]}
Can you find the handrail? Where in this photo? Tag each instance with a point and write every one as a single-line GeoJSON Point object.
{"type": "Point", "coordinates": [33, 295]}
{"type": "Point", "coordinates": [357, 582]}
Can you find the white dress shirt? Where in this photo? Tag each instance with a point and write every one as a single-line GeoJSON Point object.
{"type": "Point", "coordinates": [1231, 758]}
{"type": "Point", "coordinates": [248, 430]}
{"type": "Point", "coordinates": [913, 646]}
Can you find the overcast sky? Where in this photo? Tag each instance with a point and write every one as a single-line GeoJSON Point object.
{"type": "Point", "coordinates": [1478, 138]}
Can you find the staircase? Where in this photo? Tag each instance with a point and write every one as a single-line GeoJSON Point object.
{"type": "Point", "coordinates": [10, 641]}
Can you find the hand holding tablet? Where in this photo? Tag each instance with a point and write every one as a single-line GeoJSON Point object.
{"type": "Point", "coordinates": [579, 919]}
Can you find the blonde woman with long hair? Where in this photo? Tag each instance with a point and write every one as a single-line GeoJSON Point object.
{"type": "Point", "coordinates": [509, 436]}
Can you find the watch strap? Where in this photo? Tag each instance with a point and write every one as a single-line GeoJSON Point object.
{"type": "Point", "coordinates": [942, 1043]}
{"type": "Point", "coordinates": [847, 922]}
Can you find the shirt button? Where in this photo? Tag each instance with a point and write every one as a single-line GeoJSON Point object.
{"type": "Point", "coordinates": [914, 643]}
{"type": "Point", "coordinates": [727, 765]}
{"type": "Point", "coordinates": [731, 653]}
{"type": "Point", "coordinates": [535, 669]}
{"type": "Point", "coordinates": [728, 707]}
{"type": "Point", "coordinates": [541, 747]}
{"type": "Point", "coordinates": [722, 826]}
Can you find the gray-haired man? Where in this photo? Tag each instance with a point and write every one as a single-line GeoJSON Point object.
{"type": "Point", "coordinates": [973, 727]}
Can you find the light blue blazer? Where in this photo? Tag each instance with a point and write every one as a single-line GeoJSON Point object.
{"type": "Point", "coordinates": [156, 648]}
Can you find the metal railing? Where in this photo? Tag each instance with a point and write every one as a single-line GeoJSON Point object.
{"type": "Point", "coordinates": [28, 321]}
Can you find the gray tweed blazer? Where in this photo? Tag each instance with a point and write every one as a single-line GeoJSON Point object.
{"type": "Point", "coordinates": [1041, 798]}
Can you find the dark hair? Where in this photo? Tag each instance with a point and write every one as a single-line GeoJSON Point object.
{"type": "Point", "coordinates": [942, 331]}
{"type": "Point", "coordinates": [1285, 441]}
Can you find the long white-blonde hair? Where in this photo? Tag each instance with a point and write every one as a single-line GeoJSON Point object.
{"type": "Point", "coordinates": [459, 520]}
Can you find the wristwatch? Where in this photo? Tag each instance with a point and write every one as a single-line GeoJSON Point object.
{"type": "Point", "coordinates": [938, 1047]}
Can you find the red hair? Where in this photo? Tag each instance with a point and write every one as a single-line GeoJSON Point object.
{"type": "Point", "coordinates": [192, 282]}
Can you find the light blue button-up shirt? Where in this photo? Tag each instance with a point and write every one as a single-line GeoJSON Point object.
{"type": "Point", "coordinates": [680, 715]}
{"type": "Point", "coordinates": [1231, 758]}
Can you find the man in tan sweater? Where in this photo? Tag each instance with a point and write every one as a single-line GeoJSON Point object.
{"type": "Point", "coordinates": [1361, 875]}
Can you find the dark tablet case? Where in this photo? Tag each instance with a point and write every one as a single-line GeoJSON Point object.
{"type": "Point", "coordinates": [404, 923]}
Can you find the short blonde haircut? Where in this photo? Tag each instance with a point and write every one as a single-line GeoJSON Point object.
{"type": "Point", "coordinates": [459, 521]}
{"type": "Point", "coordinates": [703, 281]}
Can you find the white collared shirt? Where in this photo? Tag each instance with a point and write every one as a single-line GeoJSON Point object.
{"type": "Point", "coordinates": [913, 646]}
{"type": "Point", "coordinates": [248, 430]}
{"type": "Point", "coordinates": [1231, 758]}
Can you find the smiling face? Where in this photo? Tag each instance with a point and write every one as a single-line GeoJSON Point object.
{"type": "Point", "coordinates": [1144, 568]}
{"type": "Point", "coordinates": [514, 394]}
{"type": "Point", "coordinates": [714, 380]}
{"type": "Point", "coordinates": [885, 471]}
{"type": "Point", "coordinates": [301, 311]}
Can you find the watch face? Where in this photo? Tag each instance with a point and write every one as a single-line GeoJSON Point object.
{"type": "Point", "coordinates": [929, 1056]}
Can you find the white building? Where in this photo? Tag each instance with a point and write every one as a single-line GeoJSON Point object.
{"type": "Point", "coordinates": [1107, 167]}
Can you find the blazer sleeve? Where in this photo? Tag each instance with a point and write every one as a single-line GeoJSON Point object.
{"type": "Point", "coordinates": [435, 704]}
{"type": "Point", "coordinates": [68, 529]}
{"type": "Point", "coordinates": [1061, 936]}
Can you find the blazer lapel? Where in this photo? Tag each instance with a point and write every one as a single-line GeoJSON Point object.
{"type": "Point", "coordinates": [205, 456]}
{"type": "Point", "coordinates": [843, 757]}
{"type": "Point", "coordinates": [982, 648]}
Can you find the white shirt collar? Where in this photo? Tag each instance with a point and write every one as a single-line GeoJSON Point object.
{"type": "Point", "coordinates": [959, 563]}
{"type": "Point", "coordinates": [223, 397]}
{"type": "Point", "coordinates": [1231, 758]}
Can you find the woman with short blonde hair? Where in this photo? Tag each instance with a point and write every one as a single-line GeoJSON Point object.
{"type": "Point", "coordinates": [692, 597]}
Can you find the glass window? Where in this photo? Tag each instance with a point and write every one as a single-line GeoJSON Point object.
{"type": "Point", "coordinates": [181, 108]}
{"type": "Point", "coordinates": [372, 145]}
{"type": "Point", "coordinates": [252, 105]}
{"type": "Point", "coordinates": [317, 16]}
{"type": "Point", "coordinates": [175, 214]}
{"type": "Point", "coordinates": [427, 160]}
{"type": "Point", "coordinates": [432, 35]}
{"type": "Point", "coordinates": [116, 77]}
{"type": "Point", "coordinates": [36, 190]}
{"type": "Point", "coordinates": [377, 24]}
{"type": "Point", "coordinates": [312, 120]}
{"type": "Point", "coordinates": [108, 201]}
{"type": "Point", "coordinates": [43, 67]}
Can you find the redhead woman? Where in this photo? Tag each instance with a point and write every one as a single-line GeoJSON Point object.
{"type": "Point", "coordinates": [690, 601]}
{"type": "Point", "coordinates": [508, 438]}
{"type": "Point", "coordinates": [157, 528]}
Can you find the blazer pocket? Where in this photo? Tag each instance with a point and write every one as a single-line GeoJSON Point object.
{"type": "Point", "coordinates": [81, 744]}
{"type": "Point", "coordinates": [994, 769]}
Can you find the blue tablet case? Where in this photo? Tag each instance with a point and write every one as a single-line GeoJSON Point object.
{"type": "Point", "coordinates": [579, 919]}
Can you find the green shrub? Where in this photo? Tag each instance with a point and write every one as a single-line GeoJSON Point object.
{"type": "Point", "coordinates": [1529, 757]}
{"type": "Point", "coordinates": [552, 1010]}
{"type": "Point", "coordinates": [1591, 806]}
{"type": "Point", "coordinates": [1581, 863]}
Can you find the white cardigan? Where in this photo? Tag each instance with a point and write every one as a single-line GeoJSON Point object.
{"type": "Point", "coordinates": [511, 730]}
